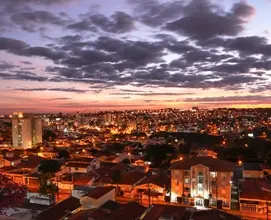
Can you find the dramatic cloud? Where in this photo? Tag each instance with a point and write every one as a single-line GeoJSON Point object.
{"type": "Point", "coordinates": [154, 13]}
{"type": "Point", "coordinates": [52, 89]}
{"type": "Point", "coordinates": [32, 20]}
{"type": "Point", "coordinates": [202, 19]}
{"type": "Point", "coordinates": [119, 22]}
{"type": "Point", "coordinates": [128, 51]}
{"type": "Point", "coordinates": [249, 98]}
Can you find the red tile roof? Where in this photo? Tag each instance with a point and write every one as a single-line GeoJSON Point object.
{"type": "Point", "coordinates": [60, 210]}
{"type": "Point", "coordinates": [213, 164]}
{"type": "Point", "coordinates": [98, 192]}
{"type": "Point", "coordinates": [131, 178]}
{"type": "Point", "coordinates": [131, 211]}
{"type": "Point", "coordinates": [258, 189]}
{"type": "Point", "coordinates": [161, 179]}
{"type": "Point", "coordinates": [31, 162]}
{"type": "Point", "coordinates": [157, 211]}
{"type": "Point", "coordinates": [77, 165]}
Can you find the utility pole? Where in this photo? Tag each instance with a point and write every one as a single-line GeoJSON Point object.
{"type": "Point", "coordinates": [267, 211]}
{"type": "Point", "coordinates": [149, 193]}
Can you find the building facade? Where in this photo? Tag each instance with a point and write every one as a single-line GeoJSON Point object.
{"type": "Point", "coordinates": [199, 179]}
{"type": "Point", "coordinates": [26, 131]}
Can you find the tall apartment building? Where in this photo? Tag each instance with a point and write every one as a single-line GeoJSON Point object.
{"type": "Point", "coordinates": [26, 130]}
{"type": "Point", "coordinates": [200, 179]}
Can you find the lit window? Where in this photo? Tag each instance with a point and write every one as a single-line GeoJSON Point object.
{"type": "Point", "coordinates": [213, 174]}
{"type": "Point", "coordinates": [186, 180]}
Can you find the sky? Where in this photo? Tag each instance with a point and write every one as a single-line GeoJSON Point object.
{"type": "Point", "coordinates": [80, 55]}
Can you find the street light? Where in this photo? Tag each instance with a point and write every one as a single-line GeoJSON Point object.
{"type": "Point", "coordinates": [240, 162]}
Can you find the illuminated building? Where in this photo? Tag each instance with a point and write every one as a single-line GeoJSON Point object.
{"type": "Point", "coordinates": [26, 131]}
{"type": "Point", "coordinates": [201, 179]}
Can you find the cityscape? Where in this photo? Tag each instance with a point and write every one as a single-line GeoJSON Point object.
{"type": "Point", "coordinates": [135, 110]}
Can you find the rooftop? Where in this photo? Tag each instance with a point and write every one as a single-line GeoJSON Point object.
{"type": "Point", "coordinates": [215, 165]}
{"type": "Point", "coordinates": [98, 192]}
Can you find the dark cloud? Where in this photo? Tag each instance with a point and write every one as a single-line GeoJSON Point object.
{"type": "Point", "coordinates": [155, 13]}
{"type": "Point", "coordinates": [153, 93]}
{"type": "Point", "coordinates": [6, 66]}
{"type": "Point", "coordinates": [203, 20]}
{"type": "Point", "coordinates": [249, 45]}
{"type": "Point", "coordinates": [72, 90]}
{"type": "Point", "coordinates": [59, 99]}
{"type": "Point", "coordinates": [22, 77]}
{"type": "Point", "coordinates": [26, 62]}
{"type": "Point", "coordinates": [230, 99]}
{"type": "Point", "coordinates": [119, 22]}
{"type": "Point", "coordinates": [10, 44]}
{"type": "Point", "coordinates": [31, 21]}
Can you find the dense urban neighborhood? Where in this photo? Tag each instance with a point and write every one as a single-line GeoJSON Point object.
{"type": "Point", "coordinates": [148, 164]}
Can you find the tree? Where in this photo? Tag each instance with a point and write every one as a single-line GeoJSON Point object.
{"type": "Point", "coordinates": [116, 178]}
{"type": "Point", "coordinates": [11, 194]}
{"type": "Point", "coordinates": [48, 169]}
{"type": "Point", "coordinates": [48, 135]}
{"type": "Point", "coordinates": [64, 154]}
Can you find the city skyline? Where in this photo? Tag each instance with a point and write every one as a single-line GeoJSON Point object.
{"type": "Point", "coordinates": [58, 55]}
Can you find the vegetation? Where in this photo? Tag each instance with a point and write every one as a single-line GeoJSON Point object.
{"type": "Point", "coordinates": [11, 194]}
{"type": "Point", "coordinates": [48, 169]}
{"type": "Point", "coordinates": [160, 155]}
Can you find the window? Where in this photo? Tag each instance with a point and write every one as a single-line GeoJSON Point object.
{"type": "Point", "coordinates": [200, 177]}
{"type": "Point", "coordinates": [186, 180]}
{"type": "Point", "coordinates": [213, 174]}
{"type": "Point", "coordinates": [177, 182]}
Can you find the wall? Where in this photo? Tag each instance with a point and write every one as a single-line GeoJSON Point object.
{"type": "Point", "coordinates": [253, 174]}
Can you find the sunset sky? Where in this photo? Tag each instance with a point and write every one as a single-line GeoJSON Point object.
{"type": "Point", "coordinates": [70, 55]}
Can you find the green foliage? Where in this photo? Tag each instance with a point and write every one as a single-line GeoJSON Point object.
{"type": "Point", "coordinates": [48, 135]}
{"type": "Point", "coordinates": [160, 155]}
{"type": "Point", "coordinates": [64, 154]}
{"type": "Point", "coordinates": [49, 166]}
{"type": "Point", "coordinates": [47, 170]}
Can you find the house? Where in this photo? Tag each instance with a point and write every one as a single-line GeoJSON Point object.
{"type": "Point", "coordinates": [170, 212]}
{"type": "Point", "coordinates": [97, 196]}
{"type": "Point", "coordinates": [254, 196]}
{"type": "Point", "coordinates": [82, 165]}
{"type": "Point", "coordinates": [31, 163]}
{"type": "Point", "coordinates": [60, 210]}
{"type": "Point", "coordinates": [155, 186]}
{"type": "Point", "coordinates": [10, 160]}
{"type": "Point", "coordinates": [125, 185]}
{"type": "Point", "coordinates": [202, 180]}
{"type": "Point", "coordinates": [131, 211]}
{"type": "Point", "coordinates": [163, 212]}
{"type": "Point", "coordinates": [252, 170]}
{"type": "Point", "coordinates": [213, 214]}
{"type": "Point", "coordinates": [69, 180]}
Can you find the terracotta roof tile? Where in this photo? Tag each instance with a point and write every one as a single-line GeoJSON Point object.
{"type": "Point", "coordinates": [60, 210]}
{"type": "Point", "coordinates": [213, 164]}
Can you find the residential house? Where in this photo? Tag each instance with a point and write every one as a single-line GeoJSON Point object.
{"type": "Point", "coordinates": [60, 210]}
{"type": "Point", "coordinates": [200, 179]}
{"type": "Point", "coordinates": [9, 160]}
{"type": "Point", "coordinates": [125, 185]}
{"type": "Point", "coordinates": [255, 196]}
{"type": "Point", "coordinates": [97, 196]}
{"type": "Point", "coordinates": [252, 170]}
{"type": "Point", "coordinates": [82, 165]}
{"type": "Point", "coordinates": [154, 186]}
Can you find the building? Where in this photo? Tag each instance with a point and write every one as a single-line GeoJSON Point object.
{"type": "Point", "coordinates": [255, 197]}
{"type": "Point", "coordinates": [26, 130]}
{"type": "Point", "coordinates": [252, 170]}
{"type": "Point", "coordinates": [201, 180]}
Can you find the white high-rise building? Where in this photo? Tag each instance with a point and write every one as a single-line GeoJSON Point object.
{"type": "Point", "coordinates": [26, 131]}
